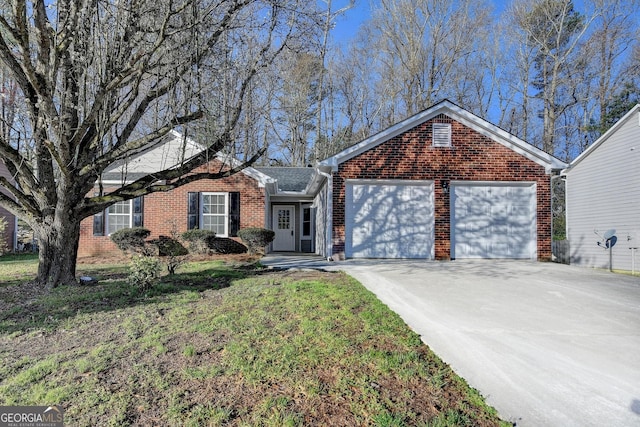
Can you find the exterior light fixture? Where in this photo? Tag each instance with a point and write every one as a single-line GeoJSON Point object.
{"type": "Point", "coordinates": [445, 186]}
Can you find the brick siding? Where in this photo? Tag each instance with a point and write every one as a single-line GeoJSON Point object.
{"type": "Point", "coordinates": [162, 210]}
{"type": "Point", "coordinates": [471, 157]}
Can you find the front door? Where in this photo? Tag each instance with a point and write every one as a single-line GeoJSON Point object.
{"type": "Point", "coordinates": [284, 227]}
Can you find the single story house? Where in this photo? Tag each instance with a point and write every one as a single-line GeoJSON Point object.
{"type": "Point", "coordinates": [443, 184]}
{"type": "Point", "coordinates": [603, 199]}
{"type": "Point", "coordinates": [9, 233]}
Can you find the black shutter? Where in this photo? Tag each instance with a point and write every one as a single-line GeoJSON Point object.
{"type": "Point", "coordinates": [98, 224]}
{"type": "Point", "coordinates": [193, 210]}
{"type": "Point", "coordinates": [138, 209]}
{"type": "Point", "coordinates": [234, 214]}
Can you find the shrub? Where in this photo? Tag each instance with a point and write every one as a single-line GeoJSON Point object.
{"type": "Point", "coordinates": [198, 240]}
{"type": "Point", "coordinates": [172, 250]}
{"type": "Point", "coordinates": [224, 245]}
{"type": "Point", "coordinates": [256, 238]}
{"type": "Point", "coordinates": [144, 271]}
{"type": "Point", "coordinates": [131, 239]}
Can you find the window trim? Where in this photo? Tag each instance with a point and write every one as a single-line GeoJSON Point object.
{"type": "Point", "coordinates": [226, 210]}
{"type": "Point", "coordinates": [109, 214]}
{"type": "Point", "coordinates": [304, 207]}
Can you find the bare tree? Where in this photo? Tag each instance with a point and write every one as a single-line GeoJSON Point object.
{"type": "Point", "coordinates": [607, 53]}
{"type": "Point", "coordinates": [329, 16]}
{"type": "Point", "coordinates": [426, 48]}
{"type": "Point", "coordinates": [554, 31]}
{"type": "Point", "coordinates": [103, 80]}
{"type": "Point", "coordinates": [295, 105]}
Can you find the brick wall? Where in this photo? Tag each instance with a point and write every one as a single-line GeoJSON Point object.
{"type": "Point", "coordinates": [472, 157]}
{"type": "Point", "coordinates": [161, 210]}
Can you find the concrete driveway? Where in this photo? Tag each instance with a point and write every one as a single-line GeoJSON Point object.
{"type": "Point", "coordinates": [546, 344]}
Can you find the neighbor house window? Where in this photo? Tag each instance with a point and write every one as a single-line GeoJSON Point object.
{"type": "Point", "coordinates": [218, 212]}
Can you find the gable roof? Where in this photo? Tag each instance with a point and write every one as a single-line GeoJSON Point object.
{"type": "Point", "coordinates": [460, 115]}
{"type": "Point", "coordinates": [598, 142]}
{"type": "Point", "coordinates": [172, 149]}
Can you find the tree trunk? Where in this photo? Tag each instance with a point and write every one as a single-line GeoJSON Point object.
{"type": "Point", "coordinates": [58, 250]}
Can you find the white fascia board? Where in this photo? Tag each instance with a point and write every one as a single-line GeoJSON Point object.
{"type": "Point", "coordinates": [461, 115]}
{"type": "Point", "coordinates": [263, 180]}
{"type": "Point", "coordinates": [613, 129]}
{"type": "Point", "coordinates": [505, 138]}
{"type": "Point", "coordinates": [173, 135]}
{"type": "Point", "coordinates": [380, 137]}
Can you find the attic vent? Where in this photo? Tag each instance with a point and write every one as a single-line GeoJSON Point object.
{"type": "Point", "coordinates": [442, 134]}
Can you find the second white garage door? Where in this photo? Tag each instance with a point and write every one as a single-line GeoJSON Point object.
{"type": "Point", "coordinates": [390, 219]}
{"type": "Point", "coordinates": [493, 220]}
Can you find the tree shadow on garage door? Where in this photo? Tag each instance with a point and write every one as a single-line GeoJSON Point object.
{"type": "Point", "coordinates": [390, 221]}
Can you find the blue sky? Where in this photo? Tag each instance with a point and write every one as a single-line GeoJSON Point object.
{"type": "Point", "coordinates": [347, 25]}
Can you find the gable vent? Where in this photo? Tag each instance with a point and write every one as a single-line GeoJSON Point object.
{"type": "Point", "coordinates": [442, 134]}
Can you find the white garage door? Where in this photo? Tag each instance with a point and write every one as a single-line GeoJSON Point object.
{"type": "Point", "coordinates": [493, 221]}
{"type": "Point", "coordinates": [393, 219]}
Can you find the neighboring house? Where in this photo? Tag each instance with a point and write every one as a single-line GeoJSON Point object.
{"type": "Point", "coordinates": [9, 232]}
{"type": "Point", "coordinates": [603, 198]}
{"type": "Point", "coordinates": [443, 184]}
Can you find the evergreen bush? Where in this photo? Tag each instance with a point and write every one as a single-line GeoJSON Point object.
{"type": "Point", "coordinates": [256, 238]}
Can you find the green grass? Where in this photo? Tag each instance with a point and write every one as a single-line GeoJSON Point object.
{"type": "Point", "coordinates": [216, 345]}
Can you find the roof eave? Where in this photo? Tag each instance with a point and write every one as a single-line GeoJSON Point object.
{"type": "Point", "coordinates": [613, 129]}
{"type": "Point", "coordinates": [461, 115]}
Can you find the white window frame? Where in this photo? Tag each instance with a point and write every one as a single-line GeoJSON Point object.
{"type": "Point", "coordinates": [302, 208]}
{"type": "Point", "coordinates": [225, 215]}
{"type": "Point", "coordinates": [110, 214]}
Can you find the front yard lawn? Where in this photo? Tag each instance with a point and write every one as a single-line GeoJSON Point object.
{"type": "Point", "coordinates": [222, 344]}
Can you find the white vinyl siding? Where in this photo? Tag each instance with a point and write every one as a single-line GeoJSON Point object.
{"type": "Point", "coordinates": [603, 193]}
{"type": "Point", "coordinates": [493, 220]}
{"type": "Point", "coordinates": [215, 213]}
{"type": "Point", "coordinates": [389, 219]}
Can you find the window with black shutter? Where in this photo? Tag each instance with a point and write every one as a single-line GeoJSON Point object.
{"type": "Point", "coordinates": [138, 207]}
{"type": "Point", "coordinates": [234, 214]}
{"type": "Point", "coordinates": [98, 224]}
{"type": "Point", "coordinates": [193, 210]}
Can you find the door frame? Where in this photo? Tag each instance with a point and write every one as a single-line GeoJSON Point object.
{"type": "Point", "coordinates": [290, 244]}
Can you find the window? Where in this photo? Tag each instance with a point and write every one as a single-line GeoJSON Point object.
{"type": "Point", "coordinates": [218, 212]}
{"type": "Point", "coordinates": [120, 215]}
{"type": "Point", "coordinates": [306, 222]}
{"type": "Point", "coordinates": [215, 213]}
{"type": "Point", "coordinates": [441, 134]}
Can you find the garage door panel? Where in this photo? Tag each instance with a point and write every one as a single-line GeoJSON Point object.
{"type": "Point", "coordinates": [493, 221]}
{"type": "Point", "coordinates": [389, 220]}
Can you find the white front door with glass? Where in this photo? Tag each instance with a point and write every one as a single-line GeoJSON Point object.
{"type": "Point", "coordinates": [284, 227]}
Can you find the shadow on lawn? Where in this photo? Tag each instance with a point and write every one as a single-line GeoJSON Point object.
{"type": "Point", "coordinates": [34, 309]}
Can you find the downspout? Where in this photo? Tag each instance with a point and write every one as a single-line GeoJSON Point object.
{"type": "Point", "coordinates": [328, 236]}
{"type": "Point", "coordinates": [558, 175]}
